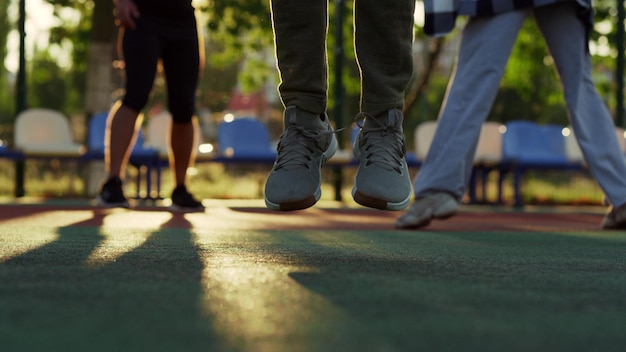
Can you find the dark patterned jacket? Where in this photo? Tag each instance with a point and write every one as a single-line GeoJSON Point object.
{"type": "Point", "coordinates": [440, 15]}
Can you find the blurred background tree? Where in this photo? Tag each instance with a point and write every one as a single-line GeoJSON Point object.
{"type": "Point", "coordinates": [239, 55]}
{"type": "Point", "coordinates": [6, 90]}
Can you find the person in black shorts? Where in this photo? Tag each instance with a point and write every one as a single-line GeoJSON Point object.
{"type": "Point", "coordinates": [153, 30]}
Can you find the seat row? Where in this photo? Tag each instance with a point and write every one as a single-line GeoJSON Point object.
{"type": "Point", "coordinates": [47, 134]}
{"type": "Point", "coordinates": [511, 148]}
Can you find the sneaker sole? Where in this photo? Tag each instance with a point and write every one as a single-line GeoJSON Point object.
{"type": "Point", "coordinates": [294, 205]}
{"type": "Point", "coordinates": [309, 200]}
{"type": "Point", "coordinates": [378, 203]}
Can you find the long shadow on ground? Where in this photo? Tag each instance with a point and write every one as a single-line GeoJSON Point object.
{"type": "Point", "coordinates": [469, 291]}
{"type": "Point", "coordinates": [60, 297]}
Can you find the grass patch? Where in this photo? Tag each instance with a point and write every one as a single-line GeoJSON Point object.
{"type": "Point", "coordinates": [64, 179]}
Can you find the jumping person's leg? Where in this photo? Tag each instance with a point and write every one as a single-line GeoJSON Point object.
{"type": "Point", "coordinates": [308, 139]}
{"type": "Point", "coordinates": [300, 45]}
{"type": "Point", "coordinates": [383, 44]}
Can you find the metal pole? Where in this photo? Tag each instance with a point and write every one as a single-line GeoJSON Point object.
{"type": "Point", "coordinates": [20, 92]}
{"type": "Point", "coordinates": [619, 66]}
{"type": "Point", "coordinates": [340, 9]}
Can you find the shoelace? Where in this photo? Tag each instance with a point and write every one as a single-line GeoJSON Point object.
{"type": "Point", "coordinates": [382, 145]}
{"type": "Point", "coordinates": [297, 145]}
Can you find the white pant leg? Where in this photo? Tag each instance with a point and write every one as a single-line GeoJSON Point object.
{"type": "Point", "coordinates": [591, 121]}
{"type": "Point", "coordinates": [485, 49]}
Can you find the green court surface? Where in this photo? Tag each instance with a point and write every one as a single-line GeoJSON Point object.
{"type": "Point", "coordinates": [242, 278]}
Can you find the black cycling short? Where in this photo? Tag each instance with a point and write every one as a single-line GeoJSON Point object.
{"type": "Point", "coordinates": [175, 42]}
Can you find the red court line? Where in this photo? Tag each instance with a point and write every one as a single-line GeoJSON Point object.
{"type": "Point", "coordinates": [226, 217]}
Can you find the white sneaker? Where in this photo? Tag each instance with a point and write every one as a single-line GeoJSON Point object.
{"type": "Point", "coordinates": [439, 205]}
{"type": "Point", "coordinates": [615, 219]}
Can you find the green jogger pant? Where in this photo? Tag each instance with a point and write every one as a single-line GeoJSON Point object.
{"type": "Point", "coordinates": [383, 37]}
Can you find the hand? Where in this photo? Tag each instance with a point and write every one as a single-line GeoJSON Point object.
{"type": "Point", "coordinates": [126, 12]}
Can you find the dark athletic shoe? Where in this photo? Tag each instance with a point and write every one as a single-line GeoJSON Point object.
{"type": "Point", "coordinates": [112, 195]}
{"type": "Point", "coordinates": [184, 202]}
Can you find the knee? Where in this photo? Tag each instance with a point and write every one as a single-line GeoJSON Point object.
{"type": "Point", "coordinates": [135, 103]}
{"type": "Point", "coordinates": [182, 113]}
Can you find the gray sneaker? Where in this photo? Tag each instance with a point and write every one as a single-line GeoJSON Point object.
{"type": "Point", "coordinates": [382, 180]}
{"type": "Point", "coordinates": [615, 219]}
{"type": "Point", "coordinates": [439, 205]}
{"type": "Point", "coordinates": [306, 143]}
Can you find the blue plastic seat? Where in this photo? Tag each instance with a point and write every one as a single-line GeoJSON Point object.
{"type": "Point", "coordinates": [244, 140]}
{"type": "Point", "coordinates": [8, 153]}
{"type": "Point", "coordinates": [96, 136]}
{"type": "Point", "coordinates": [528, 145]}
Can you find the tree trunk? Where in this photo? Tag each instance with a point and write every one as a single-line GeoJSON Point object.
{"type": "Point", "coordinates": [100, 71]}
{"type": "Point", "coordinates": [421, 83]}
{"type": "Point", "coordinates": [101, 78]}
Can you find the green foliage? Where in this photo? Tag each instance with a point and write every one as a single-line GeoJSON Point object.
{"type": "Point", "coordinates": [77, 36]}
{"type": "Point", "coordinates": [242, 29]}
{"type": "Point", "coordinates": [240, 49]}
{"type": "Point", "coordinates": [47, 83]}
{"type": "Point", "coordinates": [5, 26]}
{"type": "Point", "coordinates": [530, 88]}
{"type": "Point", "coordinates": [6, 95]}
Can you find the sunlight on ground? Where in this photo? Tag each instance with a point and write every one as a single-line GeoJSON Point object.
{"type": "Point", "coordinates": [241, 278]}
{"type": "Point", "coordinates": [11, 236]}
{"type": "Point", "coordinates": [115, 244]}
{"type": "Point", "coordinates": [251, 297]}
{"type": "Point", "coordinates": [12, 230]}
{"type": "Point", "coordinates": [136, 219]}
{"type": "Point", "coordinates": [50, 219]}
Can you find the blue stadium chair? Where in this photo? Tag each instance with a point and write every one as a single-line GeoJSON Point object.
{"type": "Point", "coordinates": [8, 153]}
{"type": "Point", "coordinates": [527, 145]}
{"type": "Point", "coordinates": [487, 158]}
{"type": "Point", "coordinates": [244, 140]}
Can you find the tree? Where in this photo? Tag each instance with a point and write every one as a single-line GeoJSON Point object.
{"type": "Point", "coordinates": [530, 88]}
{"type": "Point", "coordinates": [47, 84]}
{"type": "Point", "coordinates": [99, 58]}
{"type": "Point", "coordinates": [239, 43]}
{"type": "Point", "coordinates": [6, 98]}
{"type": "Point", "coordinates": [240, 29]}
{"type": "Point", "coordinates": [93, 51]}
